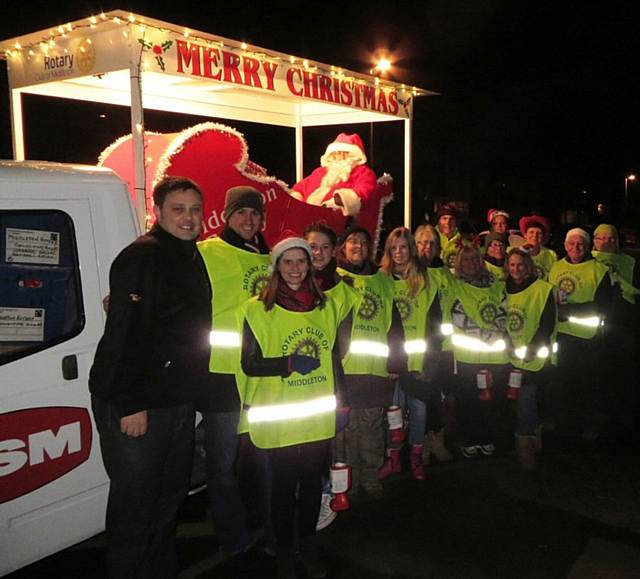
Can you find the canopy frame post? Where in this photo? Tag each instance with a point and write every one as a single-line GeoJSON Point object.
{"type": "Point", "coordinates": [17, 124]}
{"type": "Point", "coordinates": [408, 169]}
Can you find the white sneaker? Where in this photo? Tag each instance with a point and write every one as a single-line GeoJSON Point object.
{"type": "Point", "coordinates": [326, 515]}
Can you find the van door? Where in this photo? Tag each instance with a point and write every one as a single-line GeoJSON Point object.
{"type": "Point", "coordinates": [53, 487]}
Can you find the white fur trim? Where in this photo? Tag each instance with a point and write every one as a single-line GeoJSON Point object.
{"type": "Point", "coordinates": [351, 201]}
{"type": "Point", "coordinates": [289, 243]}
{"type": "Point", "coordinates": [242, 165]}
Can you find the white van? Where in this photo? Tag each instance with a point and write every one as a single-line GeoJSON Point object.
{"type": "Point", "coordinates": [61, 226]}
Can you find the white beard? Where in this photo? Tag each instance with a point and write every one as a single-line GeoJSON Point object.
{"type": "Point", "coordinates": [338, 171]}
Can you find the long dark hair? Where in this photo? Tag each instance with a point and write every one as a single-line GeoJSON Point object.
{"type": "Point", "coordinates": [269, 293]}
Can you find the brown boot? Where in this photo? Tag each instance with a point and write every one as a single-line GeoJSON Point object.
{"type": "Point", "coordinates": [438, 448]}
{"type": "Point", "coordinates": [426, 449]}
{"type": "Point", "coordinates": [526, 448]}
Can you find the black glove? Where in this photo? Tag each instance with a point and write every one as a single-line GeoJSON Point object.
{"type": "Point", "coordinates": [303, 364]}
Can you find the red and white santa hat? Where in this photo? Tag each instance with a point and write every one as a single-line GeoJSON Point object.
{"type": "Point", "coordinates": [493, 213]}
{"type": "Point", "coordinates": [351, 144]}
{"type": "Point", "coordinates": [289, 240]}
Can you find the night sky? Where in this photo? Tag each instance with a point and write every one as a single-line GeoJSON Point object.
{"type": "Point", "coordinates": [538, 105]}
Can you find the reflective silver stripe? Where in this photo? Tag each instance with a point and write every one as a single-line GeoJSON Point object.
{"type": "Point", "coordinates": [521, 352]}
{"type": "Point", "coordinates": [415, 347]}
{"type": "Point", "coordinates": [590, 322]}
{"type": "Point", "coordinates": [224, 339]}
{"type": "Point", "coordinates": [476, 345]}
{"type": "Point", "coordinates": [446, 329]}
{"type": "Point", "coordinates": [554, 348]}
{"type": "Point", "coordinates": [543, 352]}
{"type": "Point", "coordinates": [279, 412]}
{"type": "Point", "coordinates": [369, 347]}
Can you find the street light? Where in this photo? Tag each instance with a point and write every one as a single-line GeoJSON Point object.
{"type": "Point", "coordinates": [628, 178]}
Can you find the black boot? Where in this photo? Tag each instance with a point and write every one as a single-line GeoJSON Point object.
{"type": "Point", "coordinates": [309, 556]}
{"type": "Point", "coordinates": [286, 563]}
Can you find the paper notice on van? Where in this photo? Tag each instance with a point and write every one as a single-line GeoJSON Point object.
{"type": "Point", "coordinates": [21, 324]}
{"type": "Point", "coordinates": [32, 246]}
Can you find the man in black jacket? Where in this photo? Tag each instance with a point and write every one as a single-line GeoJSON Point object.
{"type": "Point", "coordinates": [155, 344]}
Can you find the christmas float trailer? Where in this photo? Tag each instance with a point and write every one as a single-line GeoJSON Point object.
{"type": "Point", "coordinates": [132, 60]}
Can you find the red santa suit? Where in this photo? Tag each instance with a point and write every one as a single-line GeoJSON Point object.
{"type": "Point", "coordinates": [340, 184]}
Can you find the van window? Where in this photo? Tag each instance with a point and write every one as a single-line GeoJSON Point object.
{"type": "Point", "coordinates": [40, 295]}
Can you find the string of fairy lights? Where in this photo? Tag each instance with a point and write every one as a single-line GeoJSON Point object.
{"type": "Point", "coordinates": [131, 22]}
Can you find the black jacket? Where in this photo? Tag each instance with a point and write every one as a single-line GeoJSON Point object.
{"type": "Point", "coordinates": [155, 347]}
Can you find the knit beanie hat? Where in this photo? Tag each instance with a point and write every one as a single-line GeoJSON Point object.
{"type": "Point", "coordinates": [493, 236]}
{"type": "Point", "coordinates": [606, 228]}
{"type": "Point", "coordinates": [577, 231]}
{"type": "Point", "coordinates": [446, 210]}
{"type": "Point", "coordinates": [240, 197]}
{"type": "Point", "coordinates": [289, 240]}
{"type": "Point", "coordinates": [353, 228]}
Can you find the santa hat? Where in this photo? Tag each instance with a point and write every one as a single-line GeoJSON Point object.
{"type": "Point", "coordinates": [493, 213]}
{"type": "Point", "coordinates": [536, 221]}
{"type": "Point", "coordinates": [289, 240]}
{"type": "Point", "coordinates": [351, 144]}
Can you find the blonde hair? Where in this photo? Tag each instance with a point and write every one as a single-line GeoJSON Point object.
{"type": "Point", "coordinates": [464, 250]}
{"type": "Point", "coordinates": [416, 280]}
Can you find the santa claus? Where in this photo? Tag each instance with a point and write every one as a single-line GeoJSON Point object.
{"type": "Point", "coordinates": [343, 181]}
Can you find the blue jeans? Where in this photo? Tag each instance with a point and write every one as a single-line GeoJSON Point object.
{"type": "Point", "coordinates": [150, 477]}
{"type": "Point", "coordinates": [417, 410]}
{"type": "Point", "coordinates": [223, 490]}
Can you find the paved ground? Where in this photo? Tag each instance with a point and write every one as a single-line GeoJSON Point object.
{"type": "Point", "coordinates": [577, 517]}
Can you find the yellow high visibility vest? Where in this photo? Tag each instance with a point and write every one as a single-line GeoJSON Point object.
{"type": "Point", "coordinates": [282, 411]}
{"type": "Point", "coordinates": [236, 275]}
{"type": "Point", "coordinates": [525, 309]}
{"type": "Point", "coordinates": [578, 284]}
{"type": "Point", "coordinates": [369, 351]}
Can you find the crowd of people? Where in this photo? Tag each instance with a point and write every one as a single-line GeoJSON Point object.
{"type": "Point", "coordinates": [453, 347]}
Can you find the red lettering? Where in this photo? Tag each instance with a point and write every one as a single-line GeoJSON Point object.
{"type": "Point", "coordinates": [382, 102]}
{"type": "Point", "coordinates": [270, 70]}
{"type": "Point", "coordinates": [358, 90]}
{"type": "Point", "coordinates": [210, 57]}
{"type": "Point", "coordinates": [325, 88]}
{"type": "Point", "coordinates": [189, 55]}
{"type": "Point", "coordinates": [231, 64]}
{"type": "Point", "coordinates": [290, 81]}
{"type": "Point", "coordinates": [393, 103]}
{"type": "Point", "coordinates": [251, 76]}
{"type": "Point", "coordinates": [310, 84]}
{"type": "Point", "coordinates": [346, 94]}
{"type": "Point", "coordinates": [369, 97]}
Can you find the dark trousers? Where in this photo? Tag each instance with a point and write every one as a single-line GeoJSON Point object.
{"type": "Point", "coordinates": [150, 477]}
{"type": "Point", "coordinates": [296, 489]}
{"type": "Point", "coordinates": [480, 421]}
{"type": "Point", "coordinates": [225, 498]}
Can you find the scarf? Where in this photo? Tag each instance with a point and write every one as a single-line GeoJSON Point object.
{"type": "Point", "coordinates": [301, 300]}
{"type": "Point", "coordinates": [327, 278]}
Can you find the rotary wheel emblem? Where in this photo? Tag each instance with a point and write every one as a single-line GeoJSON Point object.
{"type": "Point", "coordinates": [308, 347]}
{"type": "Point", "coordinates": [540, 272]}
{"type": "Point", "coordinates": [258, 283]}
{"type": "Point", "coordinates": [404, 307]}
{"type": "Point", "coordinates": [567, 285]}
{"type": "Point", "coordinates": [516, 321]}
{"type": "Point", "coordinates": [451, 259]}
{"type": "Point", "coordinates": [488, 313]}
{"type": "Point", "coordinates": [368, 308]}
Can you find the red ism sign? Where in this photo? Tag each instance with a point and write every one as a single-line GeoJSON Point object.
{"type": "Point", "coordinates": [39, 445]}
